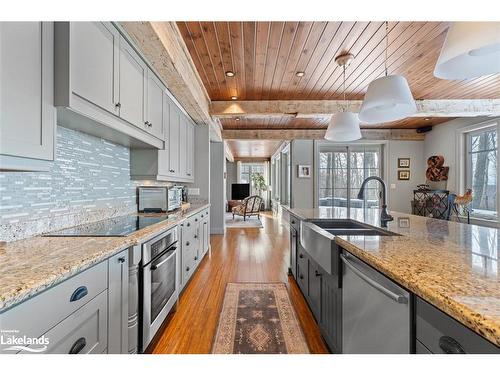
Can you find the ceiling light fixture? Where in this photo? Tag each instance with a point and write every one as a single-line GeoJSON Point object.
{"type": "Point", "coordinates": [344, 126]}
{"type": "Point", "coordinates": [229, 73]}
{"type": "Point", "coordinates": [237, 119]}
{"type": "Point", "coordinates": [388, 98]}
{"type": "Point", "coordinates": [471, 49]}
{"type": "Point", "coordinates": [234, 98]}
{"type": "Point", "coordinates": [300, 74]}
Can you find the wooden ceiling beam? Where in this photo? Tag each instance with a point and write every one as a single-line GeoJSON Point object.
{"type": "Point", "coordinates": [324, 108]}
{"type": "Point", "coordinates": [162, 45]}
{"type": "Point", "coordinates": [368, 134]}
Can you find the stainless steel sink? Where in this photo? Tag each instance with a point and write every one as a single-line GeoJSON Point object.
{"type": "Point", "coordinates": [317, 237]}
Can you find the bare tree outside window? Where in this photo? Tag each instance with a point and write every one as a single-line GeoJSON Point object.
{"type": "Point", "coordinates": [483, 169]}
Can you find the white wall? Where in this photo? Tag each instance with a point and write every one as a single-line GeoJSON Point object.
{"type": "Point", "coordinates": [201, 163]}
{"type": "Point", "coordinates": [232, 177]}
{"type": "Point", "coordinates": [217, 188]}
{"type": "Point", "coordinates": [442, 140]}
{"type": "Point", "coordinates": [401, 192]}
{"type": "Point", "coordinates": [302, 189]}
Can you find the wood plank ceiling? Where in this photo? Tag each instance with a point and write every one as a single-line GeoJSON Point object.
{"type": "Point", "coordinates": [266, 56]}
{"type": "Point", "coordinates": [250, 149]}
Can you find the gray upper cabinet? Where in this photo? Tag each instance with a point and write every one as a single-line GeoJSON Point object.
{"type": "Point", "coordinates": [133, 80]}
{"type": "Point", "coordinates": [101, 84]}
{"type": "Point", "coordinates": [27, 115]}
{"type": "Point", "coordinates": [95, 63]}
{"type": "Point", "coordinates": [173, 139]}
{"type": "Point", "coordinates": [156, 113]}
{"type": "Point", "coordinates": [190, 150]}
{"type": "Point", "coordinates": [183, 137]}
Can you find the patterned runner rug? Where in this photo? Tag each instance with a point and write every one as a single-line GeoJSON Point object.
{"type": "Point", "coordinates": [258, 318]}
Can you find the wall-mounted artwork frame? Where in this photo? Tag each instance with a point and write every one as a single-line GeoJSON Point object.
{"type": "Point", "coordinates": [303, 171]}
{"type": "Point", "coordinates": [403, 162]}
{"type": "Point", "coordinates": [403, 175]}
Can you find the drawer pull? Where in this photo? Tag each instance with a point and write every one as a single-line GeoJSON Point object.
{"type": "Point", "coordinates": [188, 224]}
{"type": "Point", "coordinates": [196, 219]}
{"type": "Point", "coordinates": [187, 269]}
{"type": "Point", "coordinates": [121, 260]}
{"type": "Point", "coordinates": [301, 256]}
{"type": "Point", "coordinates": [316, 273]}
{"type": "Point", "coordinates": [293, 221]}
{"type": "Point", "coordinates": [301, 276]}
{"type": "Point", "coordinates": [187, 243]}
{"type": "Point", "coordinates": [79, 293]}
{"type": "Point", "coordinates": [196, 258]}
{"type": "Point", "coordinates": [195, 236]}
{"type": "Point", "coordinates": [78, 346]}
{"type": "Point", "coordinates": [450, 346]}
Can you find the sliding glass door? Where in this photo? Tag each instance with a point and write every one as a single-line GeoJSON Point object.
{"type": "Point", "coordinates": [341, 171]}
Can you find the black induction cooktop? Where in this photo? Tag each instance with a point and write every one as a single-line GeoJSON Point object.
{"type": "Point", "coordinates": [115, 227]}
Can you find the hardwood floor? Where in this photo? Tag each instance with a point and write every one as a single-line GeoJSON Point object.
{"type": "Point", "coordinates": [241, 255]}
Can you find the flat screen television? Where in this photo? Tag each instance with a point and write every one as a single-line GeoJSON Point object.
{"type": "Point", "coordinates": [240, 191]}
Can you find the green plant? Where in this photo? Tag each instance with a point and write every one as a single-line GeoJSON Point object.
{"type": "Point", "coordinates": [258, 182]}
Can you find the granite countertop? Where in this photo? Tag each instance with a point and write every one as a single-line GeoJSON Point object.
{"type": "Point", "coordinates": [28, 267]}
{"type": "Point", "coordinates": [451, 265]}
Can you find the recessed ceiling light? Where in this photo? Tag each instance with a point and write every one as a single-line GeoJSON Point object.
{"type": "Point", "coordinates": [234, 98]}
{"type": "Point", "coordinates": [237, 119]}
{"type": "Point", "coordinates": [229, 73]}
{"type": "Point", "coordinates": [300, 74]}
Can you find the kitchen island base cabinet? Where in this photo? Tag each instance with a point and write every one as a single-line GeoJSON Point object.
{"type": "Point", "coordinates": [331, 312]}
{"type": "Point", "coordinates": [439, 333]}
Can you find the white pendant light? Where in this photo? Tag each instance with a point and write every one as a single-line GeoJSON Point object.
{"type": "Point", "coordinates": [471, 49]}
{"type": "Point", "coordinates": [344, 126]}
{"type": "Point", "coordinates": [387, 98]}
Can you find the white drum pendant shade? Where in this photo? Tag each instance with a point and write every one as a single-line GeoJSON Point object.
{"type": "Point", "coordinates": [471, 49]}
{"type": "Point", "coordinates": [387, 99]}
{"type": "Point", "coordinates": [343, 127]}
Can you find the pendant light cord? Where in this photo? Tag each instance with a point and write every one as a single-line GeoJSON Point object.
{"type": "Point", "coordinates": [345, 102]}
{"type": "Point", "coordinates": [386, 44]}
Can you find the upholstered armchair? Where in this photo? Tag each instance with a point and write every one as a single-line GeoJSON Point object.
{"type": "Point", "coordinates": [249, 207]}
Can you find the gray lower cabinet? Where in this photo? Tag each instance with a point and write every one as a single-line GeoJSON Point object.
{"type": "Point", "coordinates": [302, 270]}
{"type": "Point", "coordinates": [83, 332]}
{"type": "Point", "coordinates": [87, 313]}
{"type": "Point", "coordinates": [331, 312]}
{"type": "Point", "coordinates": [194, 244]}
{"type": "Point", "coordinates": [118, 294]}
{"type": "Point", "coordinates": [439, 333]}
{"type": "Point", "coordinates": [315, 286]}
{"type": "Point", "coordinates": [27, 114]}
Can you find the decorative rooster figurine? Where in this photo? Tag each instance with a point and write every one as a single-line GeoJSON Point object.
{"type": "Point", "coordinates": [459, 204]}
{"type": "Point", "coordinates": [464, 200]}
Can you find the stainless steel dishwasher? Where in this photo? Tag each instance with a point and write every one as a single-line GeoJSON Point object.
{"type": "Point", "coordinates": [375, 311]}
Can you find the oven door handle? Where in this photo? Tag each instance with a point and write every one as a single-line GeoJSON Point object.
{"type": "Point", "coordinates": [156, 266]}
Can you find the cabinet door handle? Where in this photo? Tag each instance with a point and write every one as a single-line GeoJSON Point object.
{"type": "Point", "coordinates": [118, 105]}
{"type": "Point", "coordinates": [293, 221]}
{"type": "Point", "coordinates": [189, 174]}
{"type": "Point", "coordinates": [79, 293]}
{"type": "Point", "coordinates": [316, 273]}
{"type": "Point", "coordinates": [196, 219]}
{"type": "Point", "coordinates": [188, 224]}
{"type": "Point", "coordinates": [150, 124]}
{"type": "Point", "coordinates": [301, 256]}
{"type": "Point", "coordinates": [450, 346]}
{"type": "Point", "coordinates": [121, 260]}
{"type": "Point", "coordinates": [187, 269]}
{"type": "Point", "coordinates": [301, 276]}
{"type": "Point", "coordinates": [195, 236]}
{"type": "Point", "coordinates": [187, 243]}
{"type": "Point", "coordinates": [196, 258]}
{"type": "Point", "coordinates": [78, 346]}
